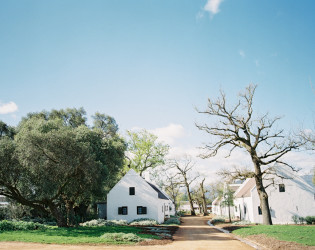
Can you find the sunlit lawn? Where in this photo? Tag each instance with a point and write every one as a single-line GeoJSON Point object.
{"type": "Point", "coordinates": [78, 235]}
{"type": "Point", "coordinates": [297, 233]}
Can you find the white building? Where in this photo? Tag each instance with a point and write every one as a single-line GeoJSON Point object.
{"type": "Point", "coordinates": [216, 206]}
{"type": "Point", "coordinates": [133, 198]}
{"type": "Point", "coordinates": [220, 206]}
{"type": "Point", "coordinates": [184, 206]}
{"type": "Point", "coordinates": [3, 201]}
{"type": "Point", "coordinates": [289, 196]}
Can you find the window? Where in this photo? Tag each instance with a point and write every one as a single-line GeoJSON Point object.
{"type": "Point", "coordinates": [259, 210]}
{"type": "Point", "coordinates": [281, 188]}
{"type": "Point", "coordinates": [162, 208]}
{"type": "Point", "coordinates": [132, 191]}
{"type": "Point", "coordinates": [244, 210]}
{"type": "Point", "coordinates": [141, 210]}
{"type": "Point", "coordinates": [235, 208]}
{"type": "Point", "coordinates": [123, 210]}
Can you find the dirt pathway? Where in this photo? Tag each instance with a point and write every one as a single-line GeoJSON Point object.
{"type": "Point", "coordinates": [194, 233]}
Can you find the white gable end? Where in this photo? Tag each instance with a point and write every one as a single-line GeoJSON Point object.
{"type": "Point", "coordinates": [145, 195]}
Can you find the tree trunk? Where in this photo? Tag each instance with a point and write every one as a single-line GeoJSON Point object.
{"type": "Point", "coordinates": [70, 213]}
{"type": "Point", "coordinates": [192, 210]}
{"type": "Point", "coordinates": [204, 202]}
{"type": "Point", "coordinates": [263, 196]}
{"type": "Point", "coordinates": [61, 220]}
{"type": "Point", "coordinates": [229, 213]}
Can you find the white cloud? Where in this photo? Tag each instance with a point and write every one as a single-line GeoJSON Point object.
{"type": "Point", "coordinates": [6, 108]}
{"type": "Point", "coordinates": [212, 6]}
{"type": "Point", "coordinates": [242, 53]}
{"type": "Point", "coordinates": [257, 63]}
{"type": "Point", "coordinates": [169, 133]}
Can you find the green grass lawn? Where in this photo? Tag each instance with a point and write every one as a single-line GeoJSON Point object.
{"type": "Point", "coordinates": [79, 235]}
{"type": "Point", "coordinates": [300, 234]}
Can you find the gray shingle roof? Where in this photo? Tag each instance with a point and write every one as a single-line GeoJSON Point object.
{"type": "Point", "coordinates": [160, 194]}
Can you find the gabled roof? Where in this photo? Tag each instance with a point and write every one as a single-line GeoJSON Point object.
{"type": "Point", "coordinates": [160, 194]}
{"type": "Point", "coordinates": [234, 187]}
{"type": "Point", "coordinates": [216, 201]}
{"type": "Point", "coordinates": [245, 188]}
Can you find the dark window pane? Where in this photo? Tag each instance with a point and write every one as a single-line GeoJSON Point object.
{"type": "Point", "coordinates": [120, 210]}
{"type": "Point", "coordinates": [281, 188]}
{"type": "Point", "coordinates": [124, 210]}
{"type": "Point", "coordinates": [132, 191]}
{"type": "Point", "coordinates": [259, 210]}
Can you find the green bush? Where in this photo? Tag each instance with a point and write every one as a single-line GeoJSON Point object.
{"type": "Point", "coordinates": [310, 220]}
{"type": "Point", "coordinates": [121, 237]}
{"type": "Point", "coordinates": [172, 221]}
{"type": "Point", "coordinates": [7, 225]}
{"type": "Point", "coordinates": [242, 222]}
{"type": "Point", "coordinates": [217, 221]}
{"type": "Point", "coordinates": [295, 219]}
{"type": "Point", "coordinates": [143, 222]}
{"type": "Point", "coordinates": [102, 222]}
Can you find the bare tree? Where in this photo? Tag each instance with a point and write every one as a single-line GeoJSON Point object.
{"type": "Point", "coordinates": [203, 196]}
{"type": "Point", "coordinates": [184, 168]}
{"type": "Point", "coordinates": [170, 182]}
{"type": "Point", "coordinates": [238, 128]}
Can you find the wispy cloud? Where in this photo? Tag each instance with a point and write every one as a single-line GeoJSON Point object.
{"type": "Point", "coordinates": [257, 63]}
{"type": "Point", "coordinates": [169, 133]}
{"type": "Point", "coordinates": [242, 53]}
{"type": "Point", "coordinates": [7, 108]}
{"type": "Point", "coordinates": [213, 6]}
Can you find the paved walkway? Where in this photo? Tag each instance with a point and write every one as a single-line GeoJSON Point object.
{"type": "Point", "coordinates": [194, 233]}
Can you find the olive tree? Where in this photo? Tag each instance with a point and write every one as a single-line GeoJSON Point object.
{"type": "Point", "coordinates": [54, 165]}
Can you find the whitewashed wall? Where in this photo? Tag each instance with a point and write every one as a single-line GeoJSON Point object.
{"type": "Point", "coordinates": [298, 199]}
{"type": "Point", "coordinates": [144, 196]}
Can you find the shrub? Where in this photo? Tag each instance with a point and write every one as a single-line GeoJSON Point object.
{"type": "Point", "coordinates": [121, 237]}
{"type": "Point", "coordinates": [310, 220]}
{"type": "Point", "coordinates": [7, 225]}
{"type": "Point", "coordinates": [172, 221]}
{"type": "Point", "coordinates": [297, 219]}
{"type": "Point", "coordinates": [242, 222]}
{"type": "Point", "coordinates": [217, 221]}
{"type": "Point", "coordinates": [143, 222]}
{"type": "Point", "coordinates": [102, 222]}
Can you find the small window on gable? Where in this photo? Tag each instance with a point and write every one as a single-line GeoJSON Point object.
{"type": "Point", "coordinates": [141, 210]}
{"type": "Point", "coordinates": [259, 210]}
{"type": "Point", "coordinates": [123, 210]}
{"type": "Point", "coordinates": [132, 191]}
{"type": "Point", "coordinates": [281, 188]}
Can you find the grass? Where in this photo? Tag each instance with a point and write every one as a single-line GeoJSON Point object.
{"type": "Point", "coordinates": [79, 235]}
{"type": "Point", "coordinates": [297, 233]}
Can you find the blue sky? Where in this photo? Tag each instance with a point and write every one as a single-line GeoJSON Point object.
{"type": "Point", "coordinates": [148, 63]}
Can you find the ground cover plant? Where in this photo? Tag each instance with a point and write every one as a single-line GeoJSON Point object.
{"type": "Point", "coordinates": [302, 234]}
{"type": "Point", "coordinates": [7, 225]}
{"type": "Point", "coordinates": [79, 235]}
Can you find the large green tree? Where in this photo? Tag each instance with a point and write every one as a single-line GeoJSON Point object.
{"type": "Point", "coordinates": [145, 151]}
{"type": "Point", "coordinates": [55, 163]}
